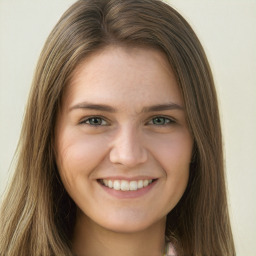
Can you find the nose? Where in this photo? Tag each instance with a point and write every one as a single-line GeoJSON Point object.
{"type": "Point", "coordinates": [127, 148]}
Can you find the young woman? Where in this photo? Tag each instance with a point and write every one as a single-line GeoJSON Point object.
{"type": "Point", "coordinates": [121, 149]}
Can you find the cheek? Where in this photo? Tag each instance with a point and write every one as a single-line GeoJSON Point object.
{"type": "Point", "coordinates": [78, 155]}
{"type": "Point", "coordinates": [174, 151]}
{"type": "Point", "coordinates": [175, 157]}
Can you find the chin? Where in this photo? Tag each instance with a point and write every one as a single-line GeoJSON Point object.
{"type": "Point", "coordinates": [129, 223]}
{"type": "Point", "coordinates": [126, 228]}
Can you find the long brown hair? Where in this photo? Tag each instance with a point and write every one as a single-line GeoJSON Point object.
{"type": "Point", "coordinates": [37, 215]}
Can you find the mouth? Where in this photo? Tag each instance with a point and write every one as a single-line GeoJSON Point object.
{"type": "Point", "coordinates": [126, 185]}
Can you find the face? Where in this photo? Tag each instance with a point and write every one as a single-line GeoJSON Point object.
{"type": "Point", "coordinates": [122, 140]}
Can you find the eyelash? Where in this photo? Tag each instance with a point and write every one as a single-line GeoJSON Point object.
{"type": "Point", "coordinates": [167, 121]}
{"type": "Point", "coordinates": [87, 121]}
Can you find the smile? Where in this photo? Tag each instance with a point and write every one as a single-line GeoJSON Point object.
{"type": "Point", "coordinates": [125, 185]}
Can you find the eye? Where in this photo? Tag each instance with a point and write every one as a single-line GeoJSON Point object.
{"type": "Point", "coordinates": [161, 120]}
{"type": "Point", "coordinates": [95, 121]}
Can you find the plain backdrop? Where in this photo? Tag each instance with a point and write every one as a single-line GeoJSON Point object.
{"type": "Point", "coordinates": [227, 30]}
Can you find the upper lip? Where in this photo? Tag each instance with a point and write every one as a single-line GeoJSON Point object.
{"type": "Point", "coordinates": [128, 178]}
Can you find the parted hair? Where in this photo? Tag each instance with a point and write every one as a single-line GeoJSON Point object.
{"type": "Point", "coordinates": [37, 215]}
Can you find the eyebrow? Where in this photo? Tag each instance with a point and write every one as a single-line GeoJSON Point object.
{"type": "Point", "coordinates": [92, 106]}
{"type": "Point", "coordinates": [107, 108]}
{"type": "Point", "coordinates": [161, 107]}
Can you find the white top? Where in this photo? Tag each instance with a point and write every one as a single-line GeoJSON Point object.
{"type": "Point", "coordinates": [170, 251]}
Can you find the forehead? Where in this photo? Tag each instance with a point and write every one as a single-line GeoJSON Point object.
{"type": "Point", "coordinates": [121, 75]}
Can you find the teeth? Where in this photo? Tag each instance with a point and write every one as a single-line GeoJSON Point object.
{"type": "Point", "coordinates": [125, 185]}
{"type": "Point", "coordinates": [110, 184]}
{"type": "Point", "coordinates": [145, 183]}
{"type": "Point", "coordinates": [133, 185]}
{"type": "Point", "coordinates": [116, 185]}
{"type": "Point", "coordinates": [140, 184]}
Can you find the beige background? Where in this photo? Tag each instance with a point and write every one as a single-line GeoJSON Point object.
{"type": "Point", "coordinates": [227, 29]}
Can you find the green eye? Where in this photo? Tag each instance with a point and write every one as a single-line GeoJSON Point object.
{"type": "Point", "coordinates": [160, 120]}
{"type": "Point", "coordinates": [95, 121]}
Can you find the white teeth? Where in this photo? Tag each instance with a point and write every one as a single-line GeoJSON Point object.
{"type": "Point", "coordinates": [125, 185]}
{"type": "Point", "coordinates": [140, 184]}
{"type": "Point", "coordinates": [110, 184]}
{"type": "Point", "coordinates": [117, 185]}
{"type": "Point", "coordinates": [133, 185]}
{"type": "Point", "coordinates": [145, 183]}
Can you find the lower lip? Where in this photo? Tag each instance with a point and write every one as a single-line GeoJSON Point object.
{"type": "Point", "coordinates": [128, 194]}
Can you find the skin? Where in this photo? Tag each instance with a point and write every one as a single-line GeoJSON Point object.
{"type": "Point", "coordinates": [127, 140]}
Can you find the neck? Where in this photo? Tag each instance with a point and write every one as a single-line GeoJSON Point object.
{"type": "Point", "coordinates": [92, 239]}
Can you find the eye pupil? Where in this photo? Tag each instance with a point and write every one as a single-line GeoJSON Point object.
{"type": "Point", "coordinates": [159, 120]}
{"type": "Point", "coordinates": [95, 121]}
